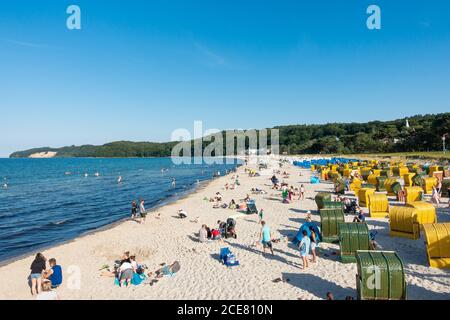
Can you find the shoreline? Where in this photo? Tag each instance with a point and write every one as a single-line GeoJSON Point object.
{"type": "Point", "coordinates": [171, 200]}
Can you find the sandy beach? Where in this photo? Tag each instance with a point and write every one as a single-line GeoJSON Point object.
{"type": "Point", "coordinates": [164, 238]}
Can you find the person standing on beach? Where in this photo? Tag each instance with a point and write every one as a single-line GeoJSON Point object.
{"type": "Point", "coordinates": [37, 269]}
{"type": "Point", "coordinates": [142, 211]}
{"type": "Point", "coordinates": [266, 237]}
{"type": "Point", "coordinates": [313, 239]}
{"type": "Point", "coordinates": [302, 192]}
{"type": "Point", "coordinates": [304, 248]}
{"type": "Point", "coordinates": [435, 197]}
{"type": "Point", "coordinates": [261, 215]}
{"type": "Point", "coordinates": [134, 210]}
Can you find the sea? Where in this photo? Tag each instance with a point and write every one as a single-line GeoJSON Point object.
{"type": "Point", "coordinates": [50, 201]}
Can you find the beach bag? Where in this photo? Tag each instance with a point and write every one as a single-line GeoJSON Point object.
{"type": "Point", "coordinates": [137, 279]}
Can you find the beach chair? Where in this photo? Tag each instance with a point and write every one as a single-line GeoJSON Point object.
{"type": "Point", "coordinates": [437, 240]}
{"type": "Point", "coordinates": [228, 258]}
{"type": "Point", "coordinates": [388, 267]}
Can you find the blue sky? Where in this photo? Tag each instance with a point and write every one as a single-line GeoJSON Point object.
{"type": "Point", "coordinates": [137, 70]}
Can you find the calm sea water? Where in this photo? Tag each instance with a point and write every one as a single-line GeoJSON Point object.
{"type": "Point", "coordinates": [43, 205]}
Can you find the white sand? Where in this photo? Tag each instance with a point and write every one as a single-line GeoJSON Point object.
{"type": "Point", "coordinates": [43, 155]}
{"type": "Point", "coordinates": [202, 276]}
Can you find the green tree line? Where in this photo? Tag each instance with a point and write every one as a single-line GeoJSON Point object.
{"type": "Point", "coordinates": [424, 133]}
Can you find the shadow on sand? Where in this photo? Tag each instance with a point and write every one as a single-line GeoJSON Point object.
{"type": "Point", "coordinates": [415, 292]}
{"type": "Point", "coordinates": [318, 286]}
{"type": "Point", "coordinates": [259, 252]}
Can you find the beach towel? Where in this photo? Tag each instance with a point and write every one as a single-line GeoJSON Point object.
{"type": "Point", "coordinates": [136, 280]}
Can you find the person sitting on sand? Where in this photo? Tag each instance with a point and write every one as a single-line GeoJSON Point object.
{"type": "Point", "coordinates": [266, 237]}
{"type": "Point", "coordinates": [166, 270]}
{"type": "Point", "coordinates": [47, 293]}
{"type": "Point", "coordinates": [216, 233]}
{"type": "Point", "coordinates": [203, 234]}
{"type": "Point", "coordinates": [137, 267]}
{"type": "Point", "coordinates": [37, 269]}
{"type": "Point", "coordinates": [232, 205]}
{"type": "Point", "coordinates": [54, 275]}
{"type": "Point", "coordinates": [304, 246]}
{"type": "Point", "coordinates": [361, 218]}
{"type": "Point", "coordinates": [218, 197]}
{"type": "Point", "coordinates": [401, 195]}
{"type": "Point", "coordinates": [182, 214]}
{"type": "Point", "coordinates": [133, 262]}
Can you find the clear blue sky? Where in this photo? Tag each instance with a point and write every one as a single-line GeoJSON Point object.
{"type": "Point", "coordinates": [140, 69]}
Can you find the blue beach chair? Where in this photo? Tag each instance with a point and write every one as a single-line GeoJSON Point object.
{"type": "Point", "coordinates": [228, 258]}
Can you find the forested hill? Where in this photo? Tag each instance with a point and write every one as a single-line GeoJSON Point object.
{"type": "Point", "coordinates": [424, 133]}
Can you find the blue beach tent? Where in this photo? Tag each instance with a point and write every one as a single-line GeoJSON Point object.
{"type": "Point", "coordinates": [306, 226]}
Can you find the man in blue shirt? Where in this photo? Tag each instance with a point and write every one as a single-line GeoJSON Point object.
{"type": "Point", "coordinates": [265, 237]}
{"type": "Point", "coordinates": [54, 274]}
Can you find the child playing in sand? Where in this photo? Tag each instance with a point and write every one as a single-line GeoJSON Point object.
{"type": "Point", "coordinates": [304, 246]}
